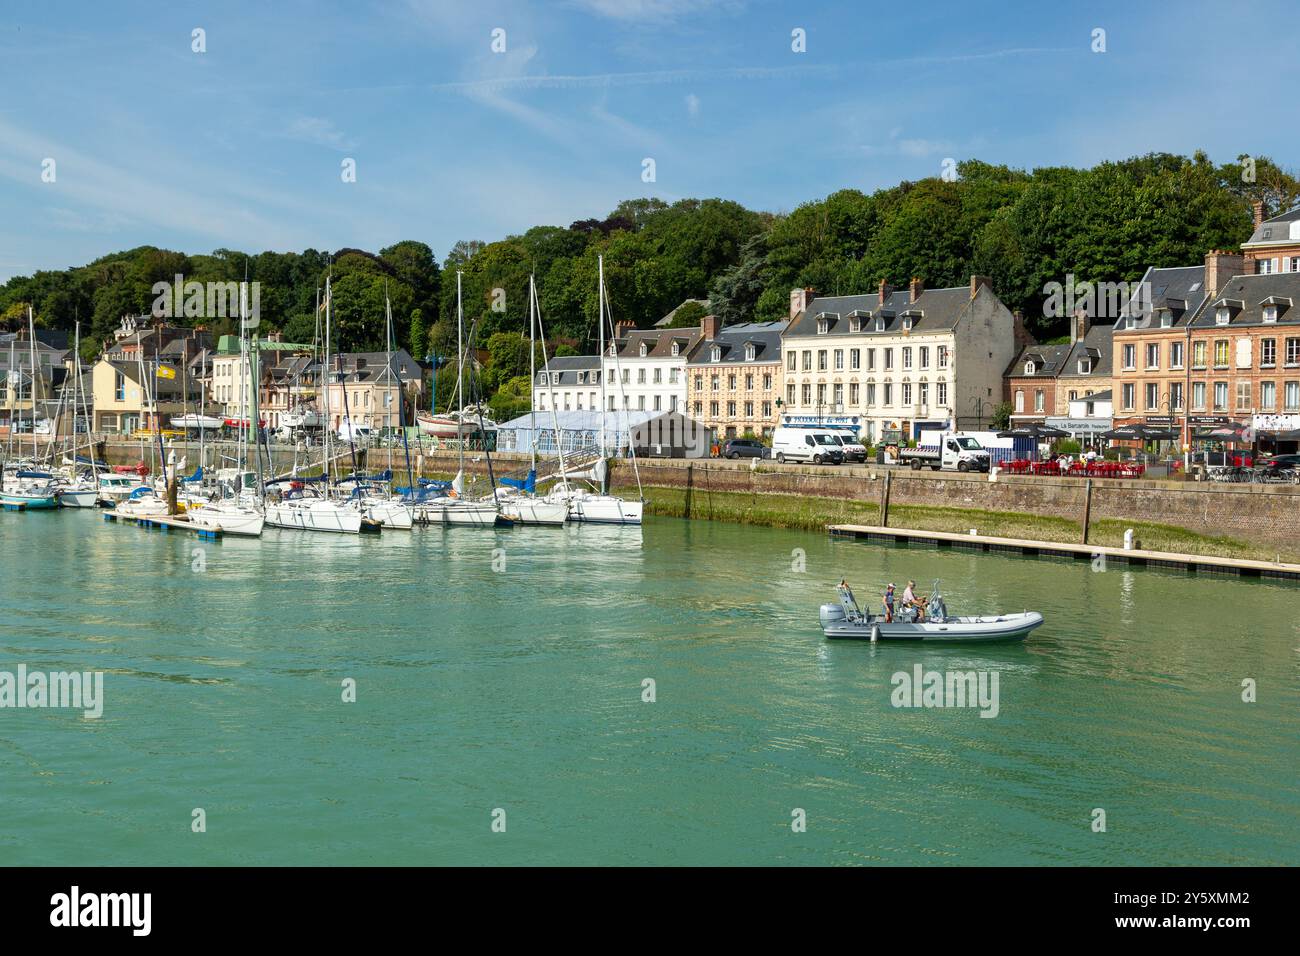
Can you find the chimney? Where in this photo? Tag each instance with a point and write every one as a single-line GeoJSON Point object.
{"type": "Point", "coordinates": [709, 326]}
{"type": "Point", "coordinates": [1220, 267]}
{"type": "Point", "coordinates": [623, 327]}
{"type": "Point", "coordinates": [1257, 208]}
{"type": "Point", "coordinates": [1078, 326]}
{"type": "Point", "coordinates": [914, 289]}
{"type": "Point", "coordinates": [800, 299]}
{"type": "Point", "coordinates": [977, 281]}
{"type": "Point", "coordinates": [885, 290]}
{"type": "Point", "coordinates": [1020, 335]}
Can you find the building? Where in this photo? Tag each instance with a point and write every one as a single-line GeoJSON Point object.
{"type": "Point", "coordinates": [364, 388]}
{"type": "Point", "coordinates": [1086, 417]}
{"type": "Point", "coordinates": [734, 380]}
{"type": "Point", "coordinates": [897, 362]}
{"type": "Point", "coordinates": [650, 434]}
{"type": "Point", "coordinates": [130, 396]}
{"type": "Point", "coordinates": [16, 379]}
{"type": "Point", "coordinates": [1274, 246]}
{"type": "Point", "coordinates": [1044, 379]}
{"type": "Point", "coordinates": [1245, 352]}
{"type": "Point", "coordinates": [568, 383]}
{"type": "Point", "coordinates": [1150, 373]}
{"type": "Point", "coordinates": [645, 369]}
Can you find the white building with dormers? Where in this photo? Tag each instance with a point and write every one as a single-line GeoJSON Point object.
{"type": "Point", "coordinates": [899, 361]}
{"type": "Point", "coordinates": [645, 369]}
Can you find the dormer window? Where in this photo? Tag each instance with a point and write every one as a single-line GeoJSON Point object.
{"type": "Point", "coordinates": [1085, 366]}
{"type": "Point", "coordinates": [1030, 368]}
{"type": "Point", "coordinates": [644, 350]}
{"type": "Point", "coordinates": [750, 352]}
{"type": "Point", "coordinates": [715, 354]}
{"type": "Point", "coordinates": [823, 326]}
{"type": "Point", "coordinates": [855, 324]}
{"type": "Point", "coordinates": [613, 350]}
{"type": "Point", "coordinates": [880, 324]}
{"type": "Point", "coordinates": [907, 323]}
{"type": "Point", "coordinates": [677, 349]}
{"type": "Point", "coordinates": [581, 376]}
{"type": "Point", "coordinates": [1221, 316]}
{"type": "Point", "coordinates": [1270, 313]}
{"type": "Point", "coordinates": [1166, 318]}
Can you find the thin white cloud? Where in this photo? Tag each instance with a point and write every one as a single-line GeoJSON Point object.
{"type": "Point", "coordinates": [319, 132]}
{"type": "Point", "coordinates": [692, 104]}
{"type": "Point", "coordinates": [654, 11]}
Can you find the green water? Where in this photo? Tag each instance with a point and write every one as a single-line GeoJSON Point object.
{"type": "Point", "coordinates": [521, 689]}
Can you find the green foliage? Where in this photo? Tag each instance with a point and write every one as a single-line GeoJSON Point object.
{"type": "Point", "coordinates": [1001, 420]}
{"type": "Point", "coordinates": [688, 315]}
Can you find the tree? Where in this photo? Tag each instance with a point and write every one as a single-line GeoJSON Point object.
{"type": "Point", "coordinates": [688, 315]}
{"type": "Point", "coordinates": [418, 344]}
{"type": "Point", "coordinates": [1001, 420]}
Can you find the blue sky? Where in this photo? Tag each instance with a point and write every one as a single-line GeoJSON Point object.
{"type": "Point", "coordinates": [241, 146]}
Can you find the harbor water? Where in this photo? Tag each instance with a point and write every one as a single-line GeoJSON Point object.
{"type": "Point", "coordinates": [608, 695]}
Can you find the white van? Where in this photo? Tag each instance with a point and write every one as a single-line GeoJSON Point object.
{"type": "Point", "coordinates": [818, 445]}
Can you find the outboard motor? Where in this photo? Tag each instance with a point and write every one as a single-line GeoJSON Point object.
{"type": "Point", "coordinates": [832, 614]}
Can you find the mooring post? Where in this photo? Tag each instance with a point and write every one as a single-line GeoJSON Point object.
{"type": "Point", "coordinates": [884, 500]}
{"type": "Point", "coordinates": [690, 484]}
{"type": "Point", "coordinates": [1087, 508]}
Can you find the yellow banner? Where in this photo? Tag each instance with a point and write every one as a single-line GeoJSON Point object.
{"type": "Point", "coordinates": [166, 372]}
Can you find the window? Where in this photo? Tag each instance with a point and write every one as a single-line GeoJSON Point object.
{"type": "Point", "coordinates": [1176, 396]}
{"type": "Point", "coordinates": [1270, 314]}
{"type": "Point", "coordinates": [1198, 355]}
{"type": "Point", "coordinates": [731, 382]}
{"type": "Point", "coordinates": [699, 383]}
{"type": "Point", "coordinates": [823, 326]}
{"type": "Point", "coordinates": [1129, 396]}
{"type": "Point", "coordinates": [1175, 354]}
{"type": "Point", "coordinates": [855, 324]}
{"type": "Point", "coordinates": [749, 409]}
{"type": "Point", "coordinates": [714, 379]}
{"type": "Point", "coordinates": [715, 354]}
{"type": "Point", "coordinates": [1222, 316]}
{"type": "Point", "coordinates": [889, 359]}
{"type": "Point", "coordinates": [837, 395]}
{"type": "Point", "coordinates": [1221, 353]}
{"type": "Point", "coordinates": [889, 393]}
{"type": "Point", "coordinates": [907, 393]}
{"type": "Point", "coordinates": [767, 381]}
{"type": "Point", "coordinates": [925, 394]}
{"type": "Point", "coordinates": [821, 394]}
{"type": "Point", "coordinates": [749, 382]}
{"type": "Point", "coordinates": [1130, 356]}
{"type": "Point", "coordinates": [640, 376]}
{"type": "Point", "coordinates": [871, 360]}
{"type": "Point", "coordinates": [767, 409]}
{"type": "Point", "coordinates": [941, 353]}
{"type": "Point", "coordinates": [907, 323]}
{"type": "Point", "coordinates": [1030, 367]}
{"type": "Point", "coordinates": [807, 360]}
{"type": "Point", "coordinates": [941, 394]}
{"type": "Point", "coordinates": [855, 359]}
{"type": "Point", "coordinates": [907, 359]}
{"type": "Point", "coordinates": [749, 352]}
{"type": "Point", "coordinates": [119, 387]}
{"type": "Point", "coordinates": [923, 354]}
{"type": "Point", "coordinates": [677, 349]}
{"type": "Point", "coordinates": [1074, 395]}
{"type": "Point", "coordinates": [699, 408]}
{"type": "Point", "coordinates": [658, 375]}
{"type": "Point", "coordinates": [644, 349]}
{"type": "Point", "coordinates": [871, 394]}
{"type": "Point", "coordinates": [1295, 263]}
{"type": "Point", "coordinates": [789, 393]}
{"type": "Point", "coordinates": [790, 360]}
{"type": "Point", "coordinates": [731, 409]}
{"type": "Point", "coordinates": [1293, 352]}
{"type": "Point", "coordinates": [1267, 396]}
{"type": "Point", "coordinates": [839, 360]}
{"type": "Point", "coordinates": [1291, 396]}
{"type": "Point", "coordinates": [880, 324]}
{"type": "Point", "coordinates": [1267, 353]}
{"type": "Point", "coordinates": [1040, 400]}
{"type": "Point", "coordinates": [713, 409]}
{"type": "Point", "coordinates": [1243, 396]}
{"type": "Point", "coordinates": [1020, 401]}
{"type": "Point", "coordinates": [1198, 396]}
{"type": "Point", "coordinates": [1265, 267]}
{"type": "Point", "coordinates": [853, 394]}
{"type": "Point", "coordinates": [640, 402]}
{"type": "Point", "coordinates": [806, 393]}
{"type": "Point", "coordinates": [821, 360]}
{"type": "Point", "coordinates": [1220, 396]}
{"type": "Point", "coordinates": [1152, 396]}
{"type": "Point", "coordinates": [1153, 355]}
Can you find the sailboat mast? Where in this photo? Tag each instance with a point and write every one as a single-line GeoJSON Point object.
{"type": "Point", "coordinates": [532, 369]}
{"type": "Point", "coordinates": [31, 334]}
{"type": "Point", "coordinates": [325, 383]}
{"type": "Point", "coordinates": [460, 377]}
{"type": "Point", "coordinates": [600, 322]}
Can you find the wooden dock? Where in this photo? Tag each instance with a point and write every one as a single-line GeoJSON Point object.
{"type": "Point", "coordinates": [164, 523]}
{"type": "Point", "coordinates": [1191, 563]}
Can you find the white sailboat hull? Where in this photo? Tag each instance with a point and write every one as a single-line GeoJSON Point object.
{"type": "Point", "coordinates": [535, 511]}
{"type": "Point", "coordinates": [79, 498]}
{"type": "Point", "coordinates": [390, 514]}
{"type": "Point", "coordinates": [471, 514]}
{"type": "Point", "coordinates": [602, 509]}
{"type": "Point", "coordinates": [314, 516]}
{"type": "Point", "coordinates": [241, 521]}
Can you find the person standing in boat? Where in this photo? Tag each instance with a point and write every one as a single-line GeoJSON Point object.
{"type": "Point", "coordinates": [889, 603]}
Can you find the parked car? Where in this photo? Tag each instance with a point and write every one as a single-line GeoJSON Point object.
{"type": "Point", "coordinates": [817, 445]}
{"type": "Point", "coordinates": [1280, 461]}
{"type": "Point", "coordinates": [743, 448]}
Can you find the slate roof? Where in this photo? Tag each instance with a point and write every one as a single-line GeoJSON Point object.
{"type": "Point", "coordinates": [1253, 292]}
{"type": "Point", "coordinates": [659, 342]}
{"type": "Point", "coordinates": [1049, 360]}
{"type": "Point", "coordinates": [766, 337]}
{"type": "Point", "coordinates": [934, 310]}
{"type": "Point", "coordinates": [1181, 289]}
{"type": "Point", "coordinates": [568, 367]}
{"type": "Point", "coordinates": [1279, 229]}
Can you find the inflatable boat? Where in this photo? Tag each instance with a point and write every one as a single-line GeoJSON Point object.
{"type": "Point", "coordinates": [846, 620]}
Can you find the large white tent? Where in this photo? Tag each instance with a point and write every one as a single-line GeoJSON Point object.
{"type": "Point", "coordinates": [654, 434]}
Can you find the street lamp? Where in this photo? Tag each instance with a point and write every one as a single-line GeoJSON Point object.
{"type": "Point", "coordinates": [977, 403]}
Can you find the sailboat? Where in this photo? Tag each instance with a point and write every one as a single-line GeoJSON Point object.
{"type": "Point", "coordinates": [29, 488]}
{"type": "Point", "coordinates": [303, 506]}
{"type": "Point", "coordinates": [78, 490]}
{"type": "Point", "coordinates": [518, 500]}
{"type": "Point", "coordinates": [453, 508]}
{"type": "Point", "coordinates": [597, 506]}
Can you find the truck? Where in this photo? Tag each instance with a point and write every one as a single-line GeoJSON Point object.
{"type": "Point", "coordinates": [955, 451]}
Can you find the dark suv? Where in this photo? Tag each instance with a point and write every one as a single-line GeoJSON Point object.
{"type": "Point", "coordinates": [743, 448]}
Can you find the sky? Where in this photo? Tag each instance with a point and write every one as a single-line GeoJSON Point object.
{"type": "Point", "coordinates": [478, 120]}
